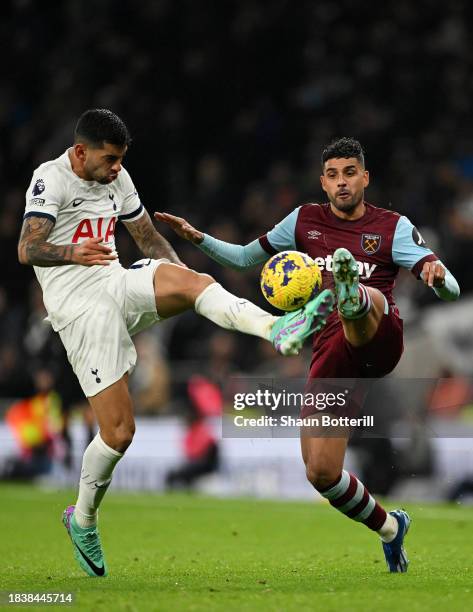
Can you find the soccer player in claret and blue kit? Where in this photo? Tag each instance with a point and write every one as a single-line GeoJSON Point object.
{"type": "Point", "coordinates": [360, 248]}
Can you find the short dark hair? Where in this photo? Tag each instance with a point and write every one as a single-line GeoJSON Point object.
{"type": "Point", "coordinates": [99, 125]}
{"type": "Point", "coordinates": [344, 147]}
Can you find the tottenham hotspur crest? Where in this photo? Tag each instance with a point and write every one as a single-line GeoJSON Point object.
{"type": "Point", "coordinates": [370, 243]}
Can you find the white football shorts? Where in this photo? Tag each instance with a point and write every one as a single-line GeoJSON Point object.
{"type": "Point", "coordinates": [98, 342]}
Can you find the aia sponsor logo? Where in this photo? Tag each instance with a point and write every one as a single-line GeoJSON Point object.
{"type": "Point", "coordinates": [95, 228]}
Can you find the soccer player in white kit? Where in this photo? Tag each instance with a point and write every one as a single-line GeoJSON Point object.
{"type": "Point", "coordinates": [96, 305]}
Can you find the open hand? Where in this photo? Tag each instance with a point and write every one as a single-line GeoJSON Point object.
{"type": "Point", "coordinates": [181, 227]}
{"type": "Point", "coordinates": [92, 253]}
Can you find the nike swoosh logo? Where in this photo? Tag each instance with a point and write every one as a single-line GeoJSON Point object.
{"type": "Point", "coordinates": [102, 486]}
{"type": "Point", "coordinates": [99, 571]}
{"type": "Point", "coordinates": [77, 202]}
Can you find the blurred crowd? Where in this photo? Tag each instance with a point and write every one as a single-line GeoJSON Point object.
{"type": "Point", "coordinates": [230, 104]}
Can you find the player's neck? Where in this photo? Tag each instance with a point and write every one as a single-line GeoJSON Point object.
{"type": "Point", "coordinates": [351, 215]}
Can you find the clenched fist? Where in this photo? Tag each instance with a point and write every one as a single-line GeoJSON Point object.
{"type": "Point", "coordinates": [433, 274]}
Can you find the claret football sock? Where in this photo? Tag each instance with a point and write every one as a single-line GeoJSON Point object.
{"type": "Point", "coordinates": [231, 312]}
{"type": "Point", "coordinates": [349, 496]}
{"type": "Point", "coordinates": [364, 305]}
{"type": "Point", "coordinates": [96, 475]}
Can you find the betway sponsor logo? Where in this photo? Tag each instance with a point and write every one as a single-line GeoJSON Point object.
{"type": "Point", "coordinates": [365, 269]}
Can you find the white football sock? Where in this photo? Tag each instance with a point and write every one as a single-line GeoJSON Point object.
{"type": "Point", "coordinates": [97, 466]}
{"type": "Point", "coordinates": [231, 312]}
{"type": "Point", "coordinates": [390, 528]}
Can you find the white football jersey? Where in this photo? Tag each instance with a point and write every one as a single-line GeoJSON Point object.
{"type": "Point", "coordinates": [80, 210]}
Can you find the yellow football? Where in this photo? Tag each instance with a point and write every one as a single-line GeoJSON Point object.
{"type": "Point", "coordinates": [290, 279]}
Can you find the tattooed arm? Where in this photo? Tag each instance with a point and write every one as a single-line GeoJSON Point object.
{"type": "Point", "coordinates": [33, 248]}
{"type": "Point", "coordinates": [149, 240]}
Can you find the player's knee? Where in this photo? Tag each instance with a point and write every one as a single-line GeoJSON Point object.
{"type": "Point", "coordinates": [192, 286]}
{"type": "Point", "coordinates": [321, 474]}
{"type": "Point", "coordinates": [198, 283]}
{"type": "Point", "coordinates": [121, 436]}
{"type": "Point", "coordinates": [181, 284]}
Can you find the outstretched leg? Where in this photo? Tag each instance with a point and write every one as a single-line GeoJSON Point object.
{"type": "Point", "coordinates": [178, 289]}
{"type": "Point", "coordinates": [360, 308]}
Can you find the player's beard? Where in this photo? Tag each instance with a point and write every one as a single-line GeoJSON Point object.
{"type": "Point", "coordinates": [102, 179]}
{"type": "Point", "coordinates": [94, 173]}
{"type": "Point", "coordinates": [105, 180]}
{"type": "Point", "coordinates": [347, 206]}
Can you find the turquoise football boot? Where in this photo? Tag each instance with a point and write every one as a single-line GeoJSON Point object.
{"type": "Point", "coordinates": [346, 277]}
{"type": "Point", "coordinates": [290, 331]}
{"type": "Point", "coordinates": [86, 543]}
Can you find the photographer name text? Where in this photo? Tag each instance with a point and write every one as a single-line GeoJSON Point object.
{"type": "Point", "coordinates": [323, 420]}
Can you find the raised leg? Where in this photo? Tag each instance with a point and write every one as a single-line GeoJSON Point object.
{"type": "Point", "coordinates": [178, 289]}
{"type": "Point", "coordinates": [360, 308]}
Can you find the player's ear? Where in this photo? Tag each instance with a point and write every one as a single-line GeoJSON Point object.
{"type": "Point", "coordinates": [80, 150]}
{"type": "Point", "coordinates": [366, 178]}
{"type": "Point", "coordinates": [322, 182]}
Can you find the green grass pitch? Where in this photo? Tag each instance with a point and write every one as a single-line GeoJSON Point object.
{"type": "Point", "coordinates": [178, 552]}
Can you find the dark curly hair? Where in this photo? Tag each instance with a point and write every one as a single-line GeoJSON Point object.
{"type": "Point", "coordinates": [344, 147]}
{"type": "Point", "coordinates": [99, 125]}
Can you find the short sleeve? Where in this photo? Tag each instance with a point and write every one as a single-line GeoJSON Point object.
{"type": "Point", "coordinates": [282, 237]}
{"type": "Point", "coordinates": [131, 206]}
{"type": "Point", "coordinates": [409, 249]}
{"type": "Point", "coordinates": [44, 195]}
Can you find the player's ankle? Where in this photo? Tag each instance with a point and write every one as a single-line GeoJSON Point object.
{"type": "Point", "coordinates": [271, 323]}
{"type": "Point", "coordinates": [353, 312]}
{"type": "Point", "coordinates": [389, 529]}
{"type": "Point", "coordinates": [85, 520]}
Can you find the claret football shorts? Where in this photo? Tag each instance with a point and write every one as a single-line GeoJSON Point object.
{"type": "Point", "coordinates": [98, 342]}
{"type": "Point", "coordinates": [336, 359]}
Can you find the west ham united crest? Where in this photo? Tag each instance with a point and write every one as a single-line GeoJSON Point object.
{"type": "Point", "coordinates": [370, 243]}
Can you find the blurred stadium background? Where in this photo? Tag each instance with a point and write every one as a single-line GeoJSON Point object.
{"type": "Point", "coordinates": [229, 105]}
